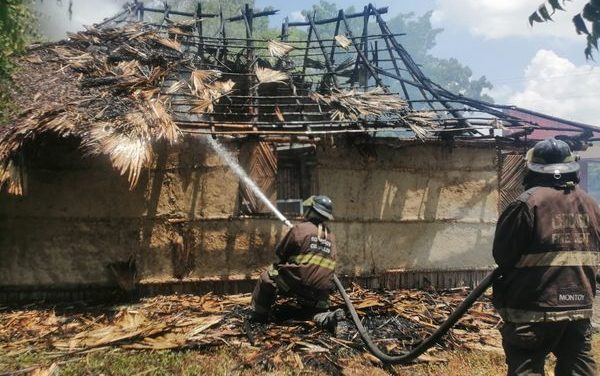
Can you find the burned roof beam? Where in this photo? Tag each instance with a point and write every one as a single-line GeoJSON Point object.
{"type": "Point", "coordinates": [128, 10]}
{"type": "Point", "coordinates": [254, 15]}
{"type": "Point", "coordinates": [411, 65]}
{"type": "Point", "coordinates": [324, 53]}
{"type": "Point", "coordinates": [397, 70]}
{"type": "Point", "coordinates": [179, 13]}
{"type": "Point", "coordinates": [334, 19]}
{"type": "Point", "coordinates": [199, 28]}
{"type": "Point", "coordinates": [362, 56]}
{"type": "Point", "coordinates": [308, 41]}
{"type": "Point", "coordinates": [370, 36]}
{"type": "Point", "coordinates": [333, 41]}
{"type": "Point", "coordinates": [355, 72]}
{"type": "Point", "coordinates": [299, 105]}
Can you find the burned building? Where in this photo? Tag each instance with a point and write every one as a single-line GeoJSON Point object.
{"type": "Point", "coordinates": [111, 179]}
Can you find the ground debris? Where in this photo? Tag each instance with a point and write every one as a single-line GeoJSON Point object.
{"type": "Point", "coordinates": [397, 320]}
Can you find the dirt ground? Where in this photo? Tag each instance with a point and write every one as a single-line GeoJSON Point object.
{"type": "Point", "coordinates": [190, 335]}
{"type": "Point", "coordinates": [210, 334]}
{"type": "Point", "coordinates": [226, 360]}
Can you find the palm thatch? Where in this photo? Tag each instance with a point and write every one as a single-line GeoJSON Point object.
{"type": "Point", "coordinates": [352, 104]}
{"type": "Point", "coordinates": [109, 97]}
{"type": "Point", "coordinates": [279, 49]}
{"type": "Point", "coordinates": [120, 90]}
{"type": "Point", "coordinates": [208, 90]}
{"type": "Point", "coordinates": [268, 75]}
{"type": "Point", "coordinates": [343, 41]}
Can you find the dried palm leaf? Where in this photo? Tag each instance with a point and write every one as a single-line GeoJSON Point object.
{"type": "Point", "coordinates": [420, 132]}
{"type": "Point", "coordinates": [203, 105]}
{"type": "Point", "coordinates": [279, 114]}
{"type": "Point", "coordinates": [128, 325]}
{"type": "Point", "coordinates": [170, 43]}
{"type": "Point", "coordinates": [224, 87]}
{"type": "Point", "coordinates": [13, 175]}
{"type": "Point", "coordinates": [419, 121]}
{"type": "Point", "coordinates": [267, 75]}
{"type": "Point", "coordinates": [166, 127]}
{"type": "Point", "coordinates": [146, 94]}
{"type": "Point", "coordinates": [353, 104]}
{"type": "Point", "coordinates": [181, 23]}
{"type": "Point", "coordinates": [175, 87]}
{"type": "Point", "coordinates": [129, 149]}
{"type": "Point", "coordinates": [201, 78]}
{"type": "Point", "coordinates": [343, 41]}
{"type": "Point", "coordinates": [209, 94]}
{"type": "Point", "coordinates": [278, 49]}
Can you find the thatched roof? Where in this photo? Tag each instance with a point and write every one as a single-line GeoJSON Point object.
{"type": "Point", "coordinates": [121, 89]}
{"type": "Point", "coordinates": [123, 85]}
{"type": "Point", "coordinates": [81, 88]}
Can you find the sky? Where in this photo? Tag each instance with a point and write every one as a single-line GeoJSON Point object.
{"type": "Point", "coordinates": [542, 68]}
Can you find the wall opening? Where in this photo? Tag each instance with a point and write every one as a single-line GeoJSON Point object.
{"type": "Point", "coordinates": [296, 177]}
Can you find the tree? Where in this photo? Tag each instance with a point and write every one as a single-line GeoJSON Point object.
{"type": "Point", "coordinates": [590, 14]}
{"type": "Point", "coordinates": [420, 39]}
{"type": "Point", "coordinates": [16, 27]}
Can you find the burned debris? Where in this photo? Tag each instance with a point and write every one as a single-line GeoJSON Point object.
{"type": "Point", "coordinates": [399, 319]}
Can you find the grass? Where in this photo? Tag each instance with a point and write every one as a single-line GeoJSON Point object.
{"type": "Point", "coordinates": [231, 361]}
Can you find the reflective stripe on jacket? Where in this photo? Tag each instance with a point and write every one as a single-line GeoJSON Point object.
{"type": "Point", "coordinates": [308, 257]}
{"type": "Point", "coordinates": [547, 245]}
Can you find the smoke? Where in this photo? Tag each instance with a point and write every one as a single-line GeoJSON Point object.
{"type": "Point", "coordinates": [55, 20]}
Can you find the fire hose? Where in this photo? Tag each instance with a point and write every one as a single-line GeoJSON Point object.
{"type": "Point", "coordinates": [424, 345]}
{"type": "Point", "coordinates": [428, 342]}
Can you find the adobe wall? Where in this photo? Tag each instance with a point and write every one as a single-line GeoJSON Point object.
{"type": "Point", "coordinates": [419, 206]}
{"type": "Point", "coordinates": [415, 207]}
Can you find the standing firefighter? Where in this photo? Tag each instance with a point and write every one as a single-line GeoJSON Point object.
{"type": "Point", "coordinates": [547, 245]}
{"type": "Point", "coordinates": [306, 264]}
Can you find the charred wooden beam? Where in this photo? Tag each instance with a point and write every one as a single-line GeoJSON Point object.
{"type": "Point", "coordinates": [335, 19]}
{"type": "Point", "coordinates": [323, 52]}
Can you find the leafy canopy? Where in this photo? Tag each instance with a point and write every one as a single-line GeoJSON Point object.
{"type": "Point", "coordinates": [590, 14]}
{"type": "Point", "coordinates": [419, 40]}
{"type": "Point", "coordinates": [16, 28]}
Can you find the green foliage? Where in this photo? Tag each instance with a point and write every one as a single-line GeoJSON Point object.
{"type": "Point", "coordinates": [420, 38]}
{"type": "Point", "coordinates": [16, 26]}
{"type": "Point", "coordinates": [324, 10]}
{"type": "Point", "coordinates": [449, 73]}
{"type": "Point", "coordinates": [590, 14]}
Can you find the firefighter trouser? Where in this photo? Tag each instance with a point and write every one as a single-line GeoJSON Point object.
{"type": "Point", "coordinates": [527, 345]}
{"type": "Point", "coordinates": [267, 287]}
{"type": "Point", "coordinates": [264, 294]}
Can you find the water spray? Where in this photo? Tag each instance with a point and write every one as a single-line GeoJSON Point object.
{"type": "Point", "coordinates": [231, 160]}
{"type": "Point", "coordinates": [404, 358]}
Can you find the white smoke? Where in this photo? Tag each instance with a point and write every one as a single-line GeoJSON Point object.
{"type": "Point", "coordinates": [55, 21]}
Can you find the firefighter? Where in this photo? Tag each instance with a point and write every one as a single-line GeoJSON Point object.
{"type": "Point", "coordinates": [546, 245]}
{"type": "Point", "coordinates": [306, 264]}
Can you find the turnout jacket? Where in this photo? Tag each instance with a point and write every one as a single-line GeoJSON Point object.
{"type": "Point", "coordinates": [307, 256]}
{"type": "Point", "coordinates": [547, 246]}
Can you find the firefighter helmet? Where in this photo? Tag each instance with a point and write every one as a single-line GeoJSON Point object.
{"type": "Point", "coordinates": [321, 204]}
{"type": "Point", "coordinates": [552, 156]}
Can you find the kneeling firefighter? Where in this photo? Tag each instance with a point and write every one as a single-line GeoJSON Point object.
{"type": "Point", "coordinates": [307, 257]}
{"type": "Point", "coordinates": [547, 245]}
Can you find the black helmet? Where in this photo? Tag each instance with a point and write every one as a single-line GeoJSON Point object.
{"type": "Point", "coordinates": [321, 204]}
{"type": "Point", "coordinates": [552, 156]}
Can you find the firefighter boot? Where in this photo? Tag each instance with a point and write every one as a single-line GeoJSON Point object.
{"type": "Point", "coordinates": [328, 320]}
